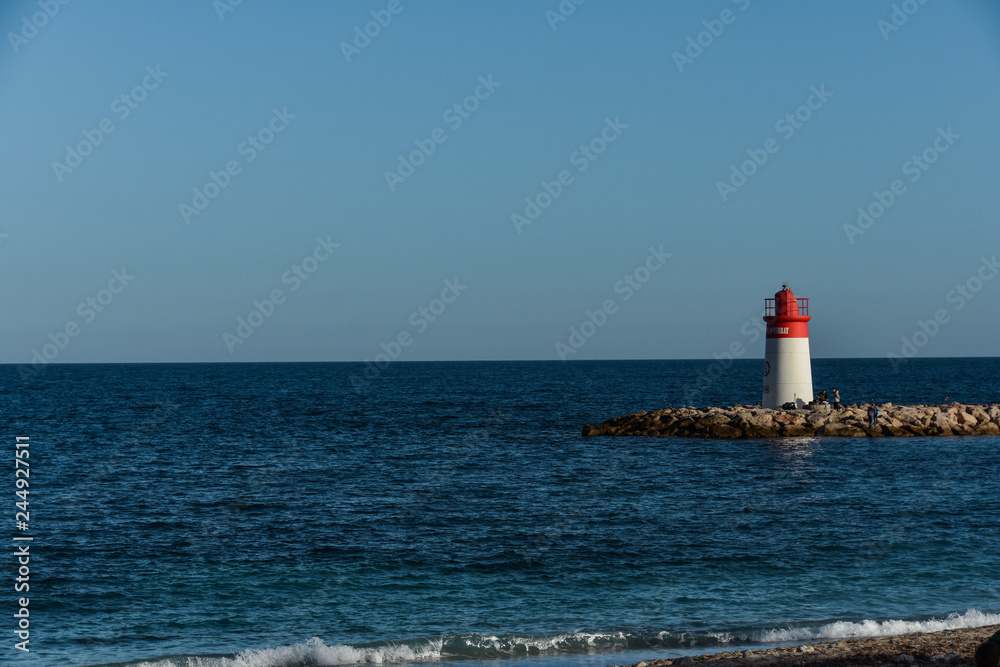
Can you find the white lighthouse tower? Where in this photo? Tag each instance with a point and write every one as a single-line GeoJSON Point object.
{"type": "Point", "coordinates": [787, 369]}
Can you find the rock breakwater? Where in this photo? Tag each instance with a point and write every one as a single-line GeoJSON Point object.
{"type": "Point", "coordinates": [945, 648]}
{"type": "Point", "coordinates": [751, 421]}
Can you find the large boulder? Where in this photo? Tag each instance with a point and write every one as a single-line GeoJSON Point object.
{"type": "Point", "coordinates": [725, 431]}
{"type": "Point", "coordinates": [965, 419]}
{"type": "Point", "coordinates": [940, 424]}
{"type": "Point", "coordinates": [837, 429]}
{"type": "Point", "coordinates": [763, 419]}
{"type": "Point", "coordinates": [715, 418]}
{"type": "Point", "coordinates": [980, 413]}
{"type": "Point", "coordinates": [987, 428]}
{"type": "Point", "coordinates": [758, 432]}
{"type": "Point", "coordinates": [798, 430]}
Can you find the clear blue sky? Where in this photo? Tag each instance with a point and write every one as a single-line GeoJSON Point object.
{"type": "Point", "coordinates": [610, 67]}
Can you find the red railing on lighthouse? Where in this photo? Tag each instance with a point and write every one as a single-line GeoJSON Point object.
{"type": "Point", "coordinates": [801, 302]}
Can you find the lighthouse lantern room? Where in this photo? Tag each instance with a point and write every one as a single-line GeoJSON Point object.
{"type": "Point", "coordinates": [787, 368]}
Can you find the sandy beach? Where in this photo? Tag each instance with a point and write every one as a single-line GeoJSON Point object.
{"type": "Point", "coordinates": [947, 647]}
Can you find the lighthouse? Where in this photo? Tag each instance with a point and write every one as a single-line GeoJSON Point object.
{"type": "Point", "coordinates": [787, 370]}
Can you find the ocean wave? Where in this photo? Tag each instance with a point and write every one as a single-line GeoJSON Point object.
{"type": "Point", "coordinates": [315, 653]}
{"type": "Point", "coordinates": [312, 653]}
{"type": "Point", "coordinates": [973, 618]}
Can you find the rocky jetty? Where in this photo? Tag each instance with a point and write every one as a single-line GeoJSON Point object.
{"type": "Point", "coordinates": [945, 648]}
{"type": "Point", "coordinates": [753, 421]}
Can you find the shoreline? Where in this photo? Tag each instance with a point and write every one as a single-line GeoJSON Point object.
{"type": "Point", "coordinates": [951, 648]}
{"type": "Point", "coordinates": [849, 421]}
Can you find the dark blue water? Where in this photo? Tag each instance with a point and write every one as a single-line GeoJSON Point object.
{"type": "Point", "coordinates": [452, 510]}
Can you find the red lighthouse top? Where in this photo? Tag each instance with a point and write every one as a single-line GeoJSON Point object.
{"type": "Point", "coordinates": [786, 316]}
{"type": "Point", "coordinates": [786, 308]}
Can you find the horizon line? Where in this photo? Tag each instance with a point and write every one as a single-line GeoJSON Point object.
{"type": "Point", "coordinates": [469, 361]}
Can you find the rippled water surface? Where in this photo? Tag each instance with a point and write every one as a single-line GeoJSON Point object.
{"type": "Point", "coordinates": [452, 510]}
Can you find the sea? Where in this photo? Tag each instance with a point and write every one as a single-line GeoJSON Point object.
{"type": "Point", "coordinates": [305, 514]}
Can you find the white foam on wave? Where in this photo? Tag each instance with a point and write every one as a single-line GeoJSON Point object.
{"type": "Point", "coordinates": [515, 645]}
{"type": "Point", "coordinates": [973, 618]}
{"type": "Point", "coordinates": [313, 653]}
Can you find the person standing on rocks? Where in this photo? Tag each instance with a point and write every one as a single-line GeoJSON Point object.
{"type": "Point", "coordinates": [872, 415]}
{"type": "Point", "coordinates": [988, 653]}
{"type": "Point", "coordinates": [836, 398]}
